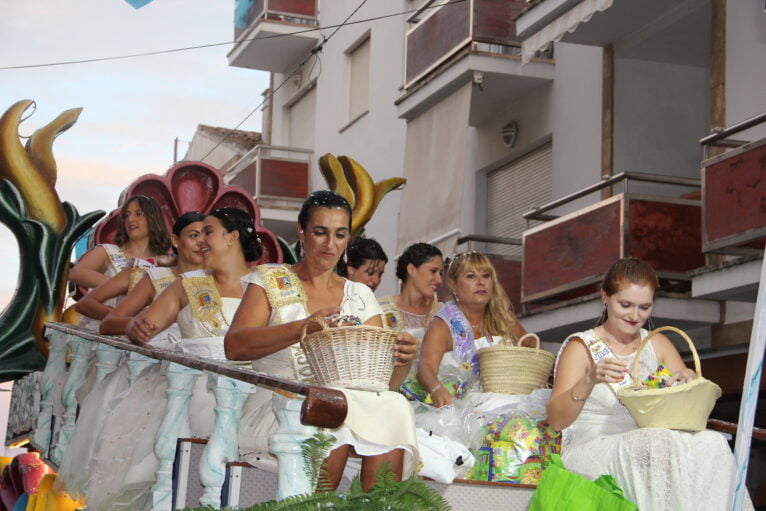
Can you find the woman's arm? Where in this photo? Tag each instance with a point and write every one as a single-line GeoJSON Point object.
{"type": "Point", "coordinates": [92, 304]}
{"type": "Point", "coordinates": [576, 375]}
{"type": "Point", "coordinates": [89, 270]}
{"type": "Point", "coordinates": [668, 355]}
{"type": "Point", "coordinates": [436, 343]}
{"type": "Point", "coordinates": [249, 338]}
{"type": "Point", "coordinates": [406, 350]}
{"type": "Point", "coordinates": [159, 315]}
{"type": "Point", "coordinates": [117, 320]}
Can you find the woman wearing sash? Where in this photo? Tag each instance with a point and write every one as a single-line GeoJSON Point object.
{"type": "Point", "coordinates": [480, 309]}
{"type": "Point", "coordinates": [141, 235]}
{"type": "Point", "coordinates": [203, 303]}
{"type": "Point", "coordinates": [142, 281]}
{"type": "Point", "coordinates": [658, 469]}
{"type": "Point", "coordinates": [97, 402]}
{"type": "Point", "coordinates": [279, 302]}
{"type": "Point", "coordinates": [365, 262]}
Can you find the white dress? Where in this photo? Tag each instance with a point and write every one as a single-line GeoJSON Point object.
{"type": "Point", "coordinates": [377, 422]}
{"type": "Point", "coordinates": [658, 469]}
{"type": "Point", "coordinates": [122, 470]}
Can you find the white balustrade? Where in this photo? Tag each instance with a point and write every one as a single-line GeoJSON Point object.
{"type": "Point", "coordinates": [81, 350]}
{"type": "Point", "coordinates": [107, 359]}
{"type": "Point", "coordinates": [222, 446]}
{"type": "Point", "coordinates": [175, 424]}
{"type": "Point", "coordinates": [55, 370]}
{"type": "Point", "coordinates": [136, 364]}
{"type": "Point", "coordinates": [286, 445]}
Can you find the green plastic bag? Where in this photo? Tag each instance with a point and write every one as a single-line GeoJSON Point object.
{"type": "Point", "coordinates": [561, 490]}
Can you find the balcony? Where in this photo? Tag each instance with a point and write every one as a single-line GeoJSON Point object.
{"type": "Point", "coordinates": [453, 44]}
{"type": "Point", "coordinates": [267, 39]}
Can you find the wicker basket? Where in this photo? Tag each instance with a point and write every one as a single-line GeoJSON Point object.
{"type": "Point", "coordinates": [683, 407]}
{"type": "Point", "coordinates": [353, 357]}
{"type": "Point", "coordinates": [510, 369]}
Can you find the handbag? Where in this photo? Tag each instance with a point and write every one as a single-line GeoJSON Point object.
{"type": "Point", "coordinates": [562, 490]}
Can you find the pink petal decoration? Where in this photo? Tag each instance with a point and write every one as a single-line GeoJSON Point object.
{"type": "Point", "coordinates": [192, 186]}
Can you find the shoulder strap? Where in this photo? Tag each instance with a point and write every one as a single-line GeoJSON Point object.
{"type": "Point", "coordinates": [599, 350]}
{"type": "Point", "coordinates": [392, 316]}
{"type": "Point", "coordinates": [281, 284]}
{"type": "Point", "coordinates": [116, 258]}
{"type": "Point", "coordinates": [204, 300]}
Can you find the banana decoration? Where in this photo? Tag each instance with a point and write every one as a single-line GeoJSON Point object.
{"type": "Point", "coordinates": [45, 229]}
{"type": "Point", "coordinates": [351, 180]}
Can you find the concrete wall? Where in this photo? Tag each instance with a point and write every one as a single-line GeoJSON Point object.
{"type": "Point", "coordinates": [745, 64]}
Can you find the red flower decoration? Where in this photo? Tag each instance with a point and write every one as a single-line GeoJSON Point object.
{"type": "Point", "coordinates": [192, 186]}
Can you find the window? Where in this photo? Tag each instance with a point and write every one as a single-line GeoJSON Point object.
{"type": "Point", "coordinates": [359, 78]}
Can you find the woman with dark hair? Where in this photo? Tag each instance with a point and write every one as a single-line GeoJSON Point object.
{"type": "Point", "coordinates": [203, 303]}
{"type": "Point", "coordinates": [141, 234]}
{"type": "Point", "coordinates": [656, 468]}
{"type": "Point", "coordinates": [479, 308]}
{"type": "Point", "coordinates": [365, 262]}
{"type": "Point", "coordinates": [141, 283]}
{"type": "Point", "coordinates": [279, 302]}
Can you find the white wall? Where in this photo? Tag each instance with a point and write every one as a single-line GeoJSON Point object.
{"type": "Point", "coordinates": [745, 64]}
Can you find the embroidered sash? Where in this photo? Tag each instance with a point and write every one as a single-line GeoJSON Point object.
{"type": "Point", "coordinates": [117, 259]}
{"type": "Point", "coordinates": [161, 278]}
{"type": "Point", "coordinates": [462, 335]}
{"type": "Point", "coordinates": [283, 288]}
{"type": "Point", "coordinates": [205, 301]}
{"type": "Point", "coordinates": [599, 350]}
{"type": "Point", "coordinates": [392, 315]}
{"type": "Point", "coordinates": [137, 272]}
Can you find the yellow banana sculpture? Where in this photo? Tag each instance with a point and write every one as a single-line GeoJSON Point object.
{"type": "Point", "coordinates": [350, 179]}
{"type": "Point", "coordinates": [33, 171]}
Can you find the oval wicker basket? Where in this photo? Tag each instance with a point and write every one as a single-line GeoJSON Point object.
{"type": "Point", "coordinates": [514, 369]}
{"type": "Point", "coordinates": [353, 357]}
{"type": "Point", "coordinates": [684, 407]}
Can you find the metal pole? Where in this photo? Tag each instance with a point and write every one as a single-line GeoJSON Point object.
{"type": "Point", "coordinates": [750, 395]}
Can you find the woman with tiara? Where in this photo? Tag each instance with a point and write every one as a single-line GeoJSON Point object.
{"type": "Point", "coordinates": [279, 302]}
{"type": "Point", "coordinates": [365, 262]}
{"type": "Point", "coordinates": [658, 469]}
{"type": "Point", "coordinates": [141, 235]}
{"type": "Point", "coordinates": [203, 303]}
{"type": "Point", "coordinates": [98, 400]}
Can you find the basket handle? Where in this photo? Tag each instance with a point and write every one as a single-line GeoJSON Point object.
{"type": "Point", "coordinates": [311, 319]}
{"type": "Point", "coordinates": [697, 367]}
{"type": "Point", "coordinates": [532, 336]}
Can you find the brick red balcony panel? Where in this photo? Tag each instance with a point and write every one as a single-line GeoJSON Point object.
{"type": "Point", "coordinates": [277, 10]}
{"type": "Point", "coordinates": [569, 251]}
{"type": "Point", "coordinates": [282, 178]}
{"type": "Point", "coordinates": [735, 199]}
{"type": "Point", "coordinates": [246, 179]}
{"type": "Point", "coordinates": [493, 20]}
{"type": "Point", "coordinates": [509, 275]}
{"type": "Point", "coordinates": [665, 234]}
{"type": "Point", "coordinates": [436, 37]}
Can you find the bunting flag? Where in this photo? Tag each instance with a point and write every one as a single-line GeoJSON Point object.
{"type": "Point", "coordinates": [137, 4]}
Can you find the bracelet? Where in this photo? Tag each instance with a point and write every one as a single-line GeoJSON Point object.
{"type": "Point", "coordinates": [575, 398]}
{"type": "Point", "coordinates": [435, 388]}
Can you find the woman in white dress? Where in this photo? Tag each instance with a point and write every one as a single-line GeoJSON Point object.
{"type": "Point", "coordinates": [141, 235]}
{"type": "Point", "coordinates": [280, 301]}
{"type": "Point", "coordinates": [203, 302]}
{"type": "Point", "coordinates": [365, 262]}
{"type": "Point", "coordinates": [479, 308]}
{"type": "Point", "coordinates": [96, 403]}
{"type": "Point", "coordinates": [658, 469]}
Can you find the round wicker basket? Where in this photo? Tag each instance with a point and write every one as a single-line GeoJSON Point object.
{"type": "Point", "coordinates": [514, 369]}
{"type": "Point", "coordinates": [683, 407]}
{"type": "Point", "coordinates": [353, 357]}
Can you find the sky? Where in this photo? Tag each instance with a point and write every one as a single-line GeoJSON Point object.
{"type": "Point", "coordinates": [133, 109]}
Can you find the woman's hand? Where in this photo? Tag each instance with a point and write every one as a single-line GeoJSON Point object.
{"type": "Point", "coordinates": [685, 375]}
{"type": "Point", "coordinates": [441, 397]}
{"type": "Point", "coordinates": [140, 330]}
{"type": "Point", "coordinates": [313, 323]}
{"type": "Point", "coordinates": [608, 370]}
{"type": "Point", "coordinates": [406, 349]}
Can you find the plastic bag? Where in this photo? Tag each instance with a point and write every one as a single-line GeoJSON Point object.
{"type": "Point", "coordinates": [561, 490]}
{"type": "Point", "coordinates": [456, 422]}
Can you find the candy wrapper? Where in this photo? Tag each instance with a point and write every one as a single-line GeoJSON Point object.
{"type": "Point", "coordinates": [658, 379]}
{"type": "Point", "coordinates": [343, 320]}
{"type": "Point", "coordinates": [515, 448]}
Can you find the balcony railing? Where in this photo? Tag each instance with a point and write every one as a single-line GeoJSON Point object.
{"type": "Point", "coordinates": [273, 173]}
{"type": "Point", "coordinates": [302, 12]}
{"type": "Point", "coordinates": [52, 430]}
{"type": "Point", "coordinates": [443, 31]}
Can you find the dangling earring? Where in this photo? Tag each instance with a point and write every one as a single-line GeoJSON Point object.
{"type": "Point", "coordinates": [650, 323]}
{"type": "Point", "coordinates": [455, 297]}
